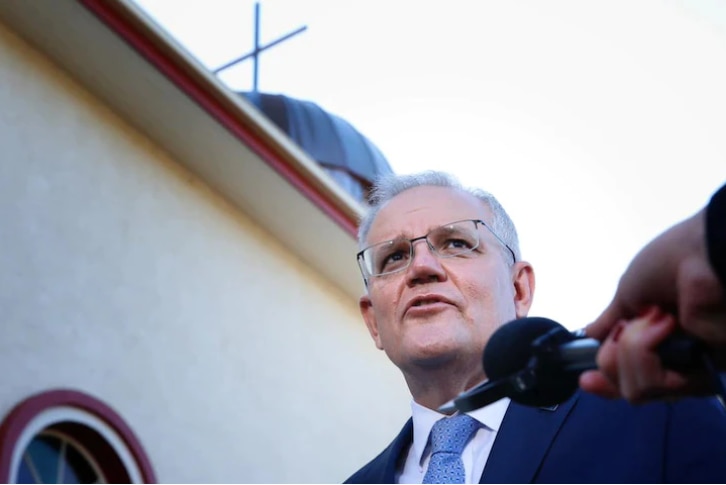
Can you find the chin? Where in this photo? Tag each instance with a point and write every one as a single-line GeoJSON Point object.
{"type": "Point", "coordinates": [434, 353]}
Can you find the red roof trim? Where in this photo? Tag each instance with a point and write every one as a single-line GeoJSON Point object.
{"type": "Point", "coordinates": [129, 31]}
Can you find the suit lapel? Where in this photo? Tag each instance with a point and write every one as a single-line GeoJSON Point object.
{"type": "Point", "coordinates": [522, 441]}
{"type": "Point", "coordinates": [391, 455]}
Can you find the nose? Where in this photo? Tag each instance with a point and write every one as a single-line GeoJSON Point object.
{"type": "Point", "coordinates": [425, 266]}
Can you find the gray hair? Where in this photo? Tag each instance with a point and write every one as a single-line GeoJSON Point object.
{"type": "Point", "coordinates": [389, 186]}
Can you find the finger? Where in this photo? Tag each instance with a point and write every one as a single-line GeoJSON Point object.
{"type": "Point", "coordinates": [608, 354]}
{"type": "Point", "coordinates": [595, 382]}
{"type": "Point", "coordinates": [642, 376]}
{"type": "Point", "coordinates": [628, 352]}
{"type": "Point", "coordinates": [702, 311]}
{"type": "Point", "coordinates": [604, 324]}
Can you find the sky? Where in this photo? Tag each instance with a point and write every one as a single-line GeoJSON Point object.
{"type": "Point", "coordinates": [596, 124]}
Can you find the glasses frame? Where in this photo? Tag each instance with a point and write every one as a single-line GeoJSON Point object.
{"type": "Point", "coordinates": [366, 275]}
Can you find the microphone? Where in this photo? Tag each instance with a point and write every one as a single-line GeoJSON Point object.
{"type": "Point", "coordinates": [537, 362]}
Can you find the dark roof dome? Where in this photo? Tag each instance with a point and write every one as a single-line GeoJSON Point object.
{"type": "Point", "coordinates": [343, 151]}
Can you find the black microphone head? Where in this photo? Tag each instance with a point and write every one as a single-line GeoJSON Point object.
{"type": "Point", "coordinates": [510, 347]}
{"type": "Point", "coordinates": [510, 350]}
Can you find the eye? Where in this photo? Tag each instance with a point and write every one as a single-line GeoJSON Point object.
{"type": "Point", "coordinates": [392, 258]}
{"type": "Point", "coordinates": [454, 244]}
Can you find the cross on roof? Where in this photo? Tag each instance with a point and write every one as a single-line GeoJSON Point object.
{"type": "Point", "coordinates": [258, 49]}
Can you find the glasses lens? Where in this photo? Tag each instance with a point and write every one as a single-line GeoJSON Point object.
{"type": "Point", "coordinates": [454, 239]}
{"type": "Point", "coordinates": [387, 257]}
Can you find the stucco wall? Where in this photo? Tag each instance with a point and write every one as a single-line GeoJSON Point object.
{"type": "Point", "coordinates": [124, 276]}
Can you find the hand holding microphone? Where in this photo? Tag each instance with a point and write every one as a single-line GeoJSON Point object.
{"type": "Point", "coordinates": [537, 362]}
{"type": "Point", "coordinates": [628, 365]}
{"type": "Point", "coordinates": [683, 272]}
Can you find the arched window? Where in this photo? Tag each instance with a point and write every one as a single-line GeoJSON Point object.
{"type": "Point", "coordinates": [66, 436]}
{"type": "Point", "coordinates": [56, 457]}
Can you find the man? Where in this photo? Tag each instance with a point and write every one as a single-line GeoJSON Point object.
{"type": "Point", "coordinates": [682, 271]}
{"type": "Point", "coordinates": [443, 271]}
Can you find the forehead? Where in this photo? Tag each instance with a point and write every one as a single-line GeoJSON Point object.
{"type": "Point", "coordinates": [416, 211]}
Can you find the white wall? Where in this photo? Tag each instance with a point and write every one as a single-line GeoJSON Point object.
{"type": "Point", "coordinates": [125, 277]}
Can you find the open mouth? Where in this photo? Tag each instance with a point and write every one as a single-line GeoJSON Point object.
{"type": "Point", "coordinates": [429, 301]}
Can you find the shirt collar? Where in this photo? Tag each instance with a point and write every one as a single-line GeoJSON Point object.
{"type": "Point", "coordinates": [490, 416]}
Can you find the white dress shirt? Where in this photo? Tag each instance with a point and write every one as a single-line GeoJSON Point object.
{"type": "Point", "coordinates": [475, 453]}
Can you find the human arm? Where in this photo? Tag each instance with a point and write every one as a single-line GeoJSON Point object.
{"type": "Point", "coordinates": [682, 271]}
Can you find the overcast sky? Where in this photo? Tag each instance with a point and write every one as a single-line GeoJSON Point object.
{"type": "Point", "coordinates": [596, 124]}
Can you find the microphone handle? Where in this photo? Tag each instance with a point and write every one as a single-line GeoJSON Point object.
{"type": "Point", "coordinates": [677, 352]}
{"type": "Point", "coordinates": [682, 353]}
{"type": "Point", "coordinates": [482, 395]}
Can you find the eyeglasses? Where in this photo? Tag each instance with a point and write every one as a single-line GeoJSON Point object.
{"type": "Point", "coordinates": [450, 240]}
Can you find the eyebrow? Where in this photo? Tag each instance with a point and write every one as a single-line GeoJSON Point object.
{"type": "Point", "coordinates": [403, 235]}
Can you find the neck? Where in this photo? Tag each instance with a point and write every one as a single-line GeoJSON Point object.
{"type": "Point", "coordinates": [433, 388]}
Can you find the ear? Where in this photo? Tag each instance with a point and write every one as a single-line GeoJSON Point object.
{"type": "Point", "coordinates": [369, 316]}
{"type": "Point", "coordinates": [523, 281]}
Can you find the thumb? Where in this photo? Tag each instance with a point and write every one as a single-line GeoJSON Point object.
{"type": "Point", "coordinates": [601, 327]}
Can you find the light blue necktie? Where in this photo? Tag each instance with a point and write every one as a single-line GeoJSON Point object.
{"type": "Point", "coordinates": [449, 436]}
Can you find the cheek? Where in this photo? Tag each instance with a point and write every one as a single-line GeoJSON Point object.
{"type": "Point", "coordinates": [479, 291]}
{"type": "Point", "coordinates": [493, 296]}
{"type": "Point", "coordinates": [385, 305]}
{"type": "Point", "coordinates": [385, 300]}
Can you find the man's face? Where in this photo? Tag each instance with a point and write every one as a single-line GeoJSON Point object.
{"type": "Point", "coordinates": [438, 311]}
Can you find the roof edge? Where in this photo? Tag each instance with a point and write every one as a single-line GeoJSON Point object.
{"type": "Point", "coordinates": [236, 115]}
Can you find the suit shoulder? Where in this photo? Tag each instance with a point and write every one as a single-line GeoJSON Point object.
{"type": "Point", "coordinates": [382, 468]}
{"type": "Point", "coordinates": [699, 417]}
{"type": "Point", "coordinates": [369, 473]}
{"type": "Point", "coordinates": [696, 443]}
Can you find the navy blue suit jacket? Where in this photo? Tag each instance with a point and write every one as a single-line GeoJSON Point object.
{"type": "Point", "coordinates": [593, 440]}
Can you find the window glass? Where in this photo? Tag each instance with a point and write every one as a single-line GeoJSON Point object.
{"type": "Point", "coordinates": [54, 458]}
